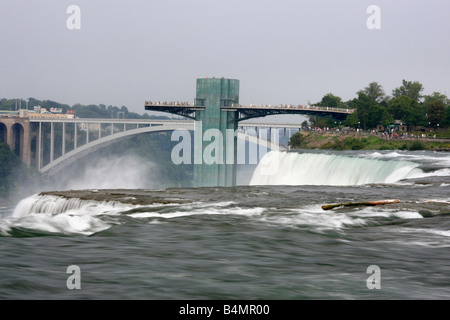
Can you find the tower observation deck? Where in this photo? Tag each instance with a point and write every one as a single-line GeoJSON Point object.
{"type": "Point", "coordinates": [217, 107]}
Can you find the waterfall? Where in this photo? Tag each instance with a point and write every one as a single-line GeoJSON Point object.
{"type": "Point", "coordinates": [290, 168]}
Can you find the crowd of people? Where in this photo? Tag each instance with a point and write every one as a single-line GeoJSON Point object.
{"type": "Point", "coordinates": [386, 134]}
{"type": "Point", "coordinates": [393, 134]}
{"type": "Point", "coordinates": [290, 106]}
{"type": "Point", "coordinates": [169, 103]}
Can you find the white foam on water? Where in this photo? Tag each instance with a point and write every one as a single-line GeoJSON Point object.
{"type": "Point", "coordinates": [5, 227]}
{"type": "Point", "coordinates": [443, 233]}
{"type": "Point", "coordinates": [384, 212]}
{"type": "Point", "coordinates": [75, 216]}
{"type": "Point", "coordinates": [314, 216]}
{"type": "Point", "coordinates": [437, 173]}
{"type": "Point", "coordinates": [201, 208]}
{"type": "Point", "coordinates": [424, 237]}
{"type": "Point", "coordinates": [440, 159]}
{"type": "Point", "coordinates": [322, 221]}
{"type": "Point", "coordinates": [407, 215]}
{"type": "Point", "coordinates": [56, 214]}
{"type": "Point", "coordinates": [377, 155]}
{"type": "Point", "coordinates": [65, 223]}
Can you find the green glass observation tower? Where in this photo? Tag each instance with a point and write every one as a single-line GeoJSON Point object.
{"type": "Point", "coordinates": [219, 120]}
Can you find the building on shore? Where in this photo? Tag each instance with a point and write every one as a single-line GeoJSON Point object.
{"type": "Point", "coordinates": [44, 113]}
{"type": "Point", "coordinates": [37, 113]}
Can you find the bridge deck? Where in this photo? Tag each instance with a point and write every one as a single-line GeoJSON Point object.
{"type": "Point", "coordinates": [181, 122]}
{"type": "Point", "coordinates": [250, 111]}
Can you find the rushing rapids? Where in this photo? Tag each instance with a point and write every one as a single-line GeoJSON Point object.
{"type": "Point", "coordinates": [262, 241]}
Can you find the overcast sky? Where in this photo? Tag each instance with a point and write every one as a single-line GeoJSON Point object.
{"type": "Point", "coordinates": [285, 51]}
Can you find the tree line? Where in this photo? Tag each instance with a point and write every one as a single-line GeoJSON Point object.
{"type": "Point", "coordinates": [406, 103]}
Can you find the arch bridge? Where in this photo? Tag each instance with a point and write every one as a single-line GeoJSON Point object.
{"type": "Point", "coordinates": [52, 144]}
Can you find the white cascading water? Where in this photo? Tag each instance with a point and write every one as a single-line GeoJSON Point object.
{"type": "Point", "coordinates": [56, 214]}
{"type": "Point", "coordinates": [290, 168]}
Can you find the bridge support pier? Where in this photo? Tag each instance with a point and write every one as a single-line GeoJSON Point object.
{"type": "Point", "coordinates": [16, 132]}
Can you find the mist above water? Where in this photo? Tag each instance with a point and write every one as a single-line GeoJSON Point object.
{"type": "Point", "coordinates": [117, 172]}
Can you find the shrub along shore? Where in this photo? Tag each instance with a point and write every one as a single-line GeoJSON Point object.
{"type": "Point", "coordinates": [364, 141]}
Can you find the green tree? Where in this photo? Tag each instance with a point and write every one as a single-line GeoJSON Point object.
{"type": "Point", "coordinates": [305, 124]}
{"type": "Point", "coordinates": [428, 99]}
{"type": "Point", "coordinates": [435, 107]}
{"type": "Point", "coordinates": [436, 113]}
{"type": "Point", "coordinates": [374, 91]}
{"type": "Point", "coordinates": [6, 104]}
{"type": "Point", "coordinates": [416, 115]}
{"type": "Point", "coordinates": [90, 111]}
{"type": "Point", "coordinates": [124, 112]}
{"type": "Point", "coordinates": [296, 140]}
{"type": "Point", "coordinates": [409, 89]}
{"type": "Point", "coordinates": [48, 104]}
{"type": "Point", "coordinates": [332, 101]}
{"type": "Point", "coordinates": [378, 115]}
{"type": "Point", "coordinates": [323, 121]}
{"type": "Point", "coordinates": [408, 110]}
{"type": "Point", "coordinates": [352, 120]}
{"type": "Point", "coordinates": [386, 118]}
{"type": "Point", "coordinates": [363, 103]}
{"type": "Point", "coordinates": [446, 119]}
{"type": "Point", "coordinates": [32, 102]}
{"type": "Point", "coordinates": [399, 106]}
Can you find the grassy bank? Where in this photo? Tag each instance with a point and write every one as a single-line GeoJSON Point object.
{"type": "Point", "coordinates": [339, 141]}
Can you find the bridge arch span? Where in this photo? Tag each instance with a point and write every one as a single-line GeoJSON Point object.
{"type": "Point", "coordinates": [81, 151]}
{"type": "Point", "coordinates": [71, 156]}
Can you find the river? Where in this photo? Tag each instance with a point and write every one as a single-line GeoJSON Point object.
{"type": "Point", "coordinates": [267, 238]}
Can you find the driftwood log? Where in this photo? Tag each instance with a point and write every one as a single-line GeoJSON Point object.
{"type": "Point", "coordinates": [354, 204]}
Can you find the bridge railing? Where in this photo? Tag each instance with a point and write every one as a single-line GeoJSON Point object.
{"type": "Point", "coordinates": [169, 103]}
{"type": "Point", "coordinates": [107, 121]}
{"type": "Point", "coordinates": [293, 107]}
